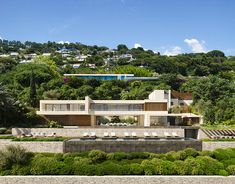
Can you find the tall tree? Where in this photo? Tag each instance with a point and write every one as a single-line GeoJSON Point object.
{"type": "Point", "coordinates": [33, 92]}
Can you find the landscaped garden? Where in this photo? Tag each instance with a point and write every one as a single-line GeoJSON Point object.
{"type": "Point", "coordinates": [16, 161]}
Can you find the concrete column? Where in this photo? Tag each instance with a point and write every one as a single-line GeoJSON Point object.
{"type": "Point", "coordinates": [146, 120]}
{"type": "Point", "coordinates": [93, 120]}
{"type": "Point", "coordinates": [141, 120]}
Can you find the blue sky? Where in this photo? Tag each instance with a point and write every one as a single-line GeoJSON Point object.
{"type": "Point", "coordinates": [168, 26]}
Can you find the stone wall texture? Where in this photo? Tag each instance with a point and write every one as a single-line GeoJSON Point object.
{"type": "Point", "coordinates": [153, 146]}
{"type": "Point", "coordinates": [215, 145]}
{"type": "Point", "coordinates": [41, 147]}
{"type": "Point", "coordinates": [116, 179]}
{"type": "Point", "coordinates": [78, 132]}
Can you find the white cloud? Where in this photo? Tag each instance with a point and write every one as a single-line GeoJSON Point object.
{"type": "Point", "coordinates": [136, 45]}
{"type": "Point", "coordinates": [63, 42]}
{"type": "Point", "coordinates": [173, 51]}
{"type": "Point", "coordinates": [196, 46]}
{"type": "Point", "coordinates": [1, 38]}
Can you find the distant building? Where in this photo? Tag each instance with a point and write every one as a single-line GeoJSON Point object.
{"type": "Point", "coordinates": [109, 76]}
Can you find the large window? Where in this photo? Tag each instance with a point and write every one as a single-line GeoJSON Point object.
{"type": "Point", "coordinates": [64, 107]}
{"type": "Point", "coordinates": [116, 107]}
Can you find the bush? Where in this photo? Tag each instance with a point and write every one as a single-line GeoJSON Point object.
{"type": "Point", "coordinates": [13, 155]}
{"type": "Point", "coordinates": [117, 156]}
{"type": "Point", "coordinates": [224, 154]}
{"type": "Point", "coordinates": [110, 168]}
{"type": "Point", "coordinates": [20, 170]}
{"type": "Point", "coordinates": [97, 155]}
{"type": "Point", "coordinates": [3, 130]}
{"type": "Point", "coordinates": [136, 155]}
{"type": "Point", "coordinates": [42, 165]}
{"type": "Point", "coordinates": [206, 153]}
{"type": "Point", "coordinates": [191, 152]}
{"type": "Point", "coordinates": [223, 172]}
{"type": "Point", "coordinates": [231, 169]}
{"type": "Point", "coordinates": [148, 167]}
{"type": "Point", "coordinates": [84, 167]}
{"type": "Point", "coordinates": [136, 169]}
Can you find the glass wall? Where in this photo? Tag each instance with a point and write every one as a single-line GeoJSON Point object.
{"type": "Point", "coordinates": [116, 107]}
{"type": "Point", "coordinates": [64, 107]}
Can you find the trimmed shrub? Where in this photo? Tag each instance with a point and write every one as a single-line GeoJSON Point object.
{"type": "Point", "coordinates": [48, 166]}
{"type": "Point", "coordinates": [191, 152]}
{"type": "Point", "coordinates": [231, 169]}
{"type": "Point", "coordinates": [223, 173]}
{"type": "Point", "coordinates": [13, 155]}
{"type": "Point", "coordinates": [181, 155]}
{"type": "Point", "coordinates": [206, 153]}
{"type": "Point", "coordinates": [110, 168]}
{"type": "Point", "coordinates": [224, 154]}
{"type": "Point", "coordinates": [178, 164]}
{"type": "Point", "coordinates": [20, 170]}
{"type": "Point", "coordinates": [136, 169]}
{"type": "Point", "coordinates": [3, 130]}
{"type": "Point", "coordinates": [136, 155]}
{"type": "Point", "coordinates": [171, 156]}
{"type": "Point", "coordinates": [117, 156]}
{"type": "Point", "coordinates": [148, 167]}
{"type": "Point", "coordinates": [97, 155]}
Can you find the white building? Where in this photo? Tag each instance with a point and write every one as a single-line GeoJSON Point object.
{"type": "Point", "coordinates": [154, 111]}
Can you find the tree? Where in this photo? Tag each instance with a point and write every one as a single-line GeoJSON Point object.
{"type": "Point", "coordinates": [33, 92]}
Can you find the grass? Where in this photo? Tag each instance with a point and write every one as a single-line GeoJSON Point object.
{"type": "Point", "coordinates": [218, 127]}
{"type": "Point", "coordinates": [218, 140]}
{"type": "Point", "coordinates": [35, 139]}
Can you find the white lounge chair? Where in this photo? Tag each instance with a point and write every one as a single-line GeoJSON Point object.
{"type": "Point", "coordinates": [113, 134]}
{"type": "Point", "coordinates": [85, 134]}
{"type": "Point", "coordinates": [146, 134]}
{"type": "Point", "coordinates": [174, 134]}
{"type": "Point", "coordinates": [133, 134]}
{"type": "Point", "coordinates": [106, 134]}
{"type": "Point", "coordinates": [166, 134]}
{"type": "Point", "coordinates": [154, 134]}
{"type": "Point", "coordinates": [93, 134]}
{"type": "Point", "coordinates": [126, 134]}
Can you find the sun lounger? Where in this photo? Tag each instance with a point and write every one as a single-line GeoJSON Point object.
{"type": "Point", "coordinates": [174, 134]}
{"type": "Point", "coordinates": [85, 134]}
{"type": "Point", "coordinates": [93, 134]}
{"type": "Point", "coordinates": [113, 134]}
{"type": "Point", "coordinates": [133, 134]}
{"type": "Point", "coordinates": [166, 134]}
{"type": "Point", "coordinates": [146, 134]}
{"type": "Point", "coordinates": [154, 134]}
{"type": "Point", "coordinates": [106, 134]}
{"type": "Point", "coordinates": [126, 134]}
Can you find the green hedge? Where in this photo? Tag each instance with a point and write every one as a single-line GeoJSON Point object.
{"type": "Point", "coordinates": [16, 161]}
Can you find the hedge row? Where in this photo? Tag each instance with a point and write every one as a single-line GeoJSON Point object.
{"type": "Point", "coordinates": [15, 161]}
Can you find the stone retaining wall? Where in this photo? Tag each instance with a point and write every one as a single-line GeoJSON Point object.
{"type": "Point", "coordinates": [215, 145]}
{"type": "Point", "coordinates": [116, 179]}
{"type": "Point", "coordinates": [78, 132]}
{"type": "Point", "coordinates": [153, 146]}
{"type": "Point", "coordinates": [46, 147]}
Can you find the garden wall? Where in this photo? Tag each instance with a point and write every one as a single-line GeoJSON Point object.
{"type": "Point", "coordinates": [116, 179]}
{"type": "Point", "coordinates": [78, 132]}
{"type": "Point", "coordinates": [153, 146]}
{"type": "Point", "coordinates": [46, 147]}
{"type": "Point", "coordinates": [219, 144]}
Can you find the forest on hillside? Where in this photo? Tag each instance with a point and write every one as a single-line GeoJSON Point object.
{"type": "Point", "coordinates": [209, 76]}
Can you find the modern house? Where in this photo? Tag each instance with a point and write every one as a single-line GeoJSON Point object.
{"type": "Point", "coordinates": [162, 108]}
{"type": "Point", "coordinates": [110, 76]}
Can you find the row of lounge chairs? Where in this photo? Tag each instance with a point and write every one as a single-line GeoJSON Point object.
{"type": "Point", "coordinates": [38, 134]}
{"type": "Point", "coordinates": [220, 134]}
{"type": "Point", "coordinates": [131, 135]}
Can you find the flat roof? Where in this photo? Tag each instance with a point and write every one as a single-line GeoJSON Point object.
{"type": "Point", "coordinates": [129, 75]}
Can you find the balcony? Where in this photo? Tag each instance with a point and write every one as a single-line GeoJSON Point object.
{"type": "Point", "coordinates": [116, 107]}
{"type": "Point", "coordinates": [64, 107]}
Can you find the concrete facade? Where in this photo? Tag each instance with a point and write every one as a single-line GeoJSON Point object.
{"type": "Point", "coordinates": [117, 179]}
